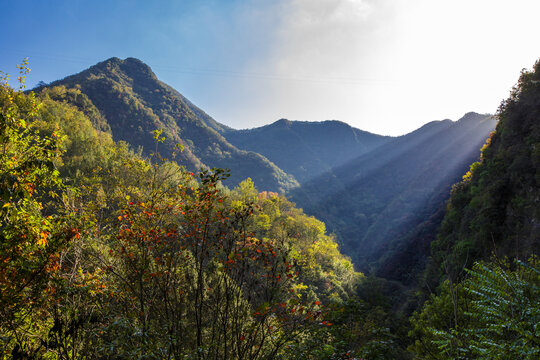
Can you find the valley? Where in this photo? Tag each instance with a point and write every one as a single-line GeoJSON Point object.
{"type": "Point", "coordinates": [134, 223]}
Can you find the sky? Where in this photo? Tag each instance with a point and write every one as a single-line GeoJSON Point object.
{"type": "Point", "coordinates": [384, 66]}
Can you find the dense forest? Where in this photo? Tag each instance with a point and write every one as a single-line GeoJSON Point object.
{"type": "Point", "coordinates": [123, 236]}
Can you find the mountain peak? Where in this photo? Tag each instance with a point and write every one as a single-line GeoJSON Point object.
{"type": "Point", "coordinates": [473, 116]}
{"type": "Point", "coordinates": [283, 122]}
{"type": "Point", "coordinates": [135, 103]}
{"type": "Point", "coordinates": [130, 66]}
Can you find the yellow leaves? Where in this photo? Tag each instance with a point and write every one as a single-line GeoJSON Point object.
{"type": "Point", "coordinates": [474, 168]}
{"type": "Point", "coordinates": [42, 240]}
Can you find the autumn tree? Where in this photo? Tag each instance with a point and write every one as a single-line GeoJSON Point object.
{"type": "Point", "coordinates": [33, 227]}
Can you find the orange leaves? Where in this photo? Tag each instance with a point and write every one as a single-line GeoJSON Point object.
{"type": "Point", "coordinates": [42, 240]}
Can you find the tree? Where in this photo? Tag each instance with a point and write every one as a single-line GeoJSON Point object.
{"type": "Point", "coordinates": [498, 316]}
{"type": "Point", "coordinates": [33, 228]}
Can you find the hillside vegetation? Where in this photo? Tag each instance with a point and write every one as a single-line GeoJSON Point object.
{"type": "Point", "coordinates": [485, 256]}
{"type": "Point", "coordinates": [134, 103]}
{"type": "Point", "coordinates": [105, 254]}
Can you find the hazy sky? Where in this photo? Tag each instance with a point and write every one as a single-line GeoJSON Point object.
{"type": "Point", "coordinates": [386, 66]}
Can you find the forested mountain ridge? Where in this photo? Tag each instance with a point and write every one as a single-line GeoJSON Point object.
{"type": "Point", "coordinates": [132, 103]}
{"type": "Point", "coordinates": [306, 149]}
{"type": "Point", "coordinates": [135, 103]}
{"type": "Point", "coordinates": [484, 263]}
{"type": "Point", "coordinates": [374, 201]}
{"type": "Point", "coordinates": [496, 208]}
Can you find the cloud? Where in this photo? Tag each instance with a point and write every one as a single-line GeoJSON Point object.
{"type": "Point", "coordinates": [318, 38]}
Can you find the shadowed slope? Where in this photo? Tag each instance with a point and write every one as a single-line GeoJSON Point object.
{"type": "Point", "coordinates": [376, 200]}
{"type": "Point", "coordinates": [306, 149]}
{"type": "Point", "coordinates": [496, 208]}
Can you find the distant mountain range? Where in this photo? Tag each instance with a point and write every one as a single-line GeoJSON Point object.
{"type": "Point", "coordinates": [383, 196]}
{"type": "Point", "coordinates": [306, 149]}
{"type": "Point", "coordinates": [376, 201]}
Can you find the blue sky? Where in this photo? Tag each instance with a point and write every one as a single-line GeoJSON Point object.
{"type": "Point", "coordinates": [386, 66]}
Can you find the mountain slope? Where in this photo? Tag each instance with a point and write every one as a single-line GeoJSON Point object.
{"type": "Point", "coordinates": [135, 103]}
{"type": "Point", "coordinates": [374, 201]}
{"type": "Point", "coordinates": [496, 208]}
{"type": "Point", "coordinates": [306, 149]}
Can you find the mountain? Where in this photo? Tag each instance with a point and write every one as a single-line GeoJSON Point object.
{"type": "Point", "coordinates": [495, 210]}
{"type": "Point", "coordinates": [374, 203]}
{"type": "Point", "coordinates": [135, 103]}
{"type": "Point", "coordinates": [384, 197]}
{"type": "Point", "coordinates": [306, 149]}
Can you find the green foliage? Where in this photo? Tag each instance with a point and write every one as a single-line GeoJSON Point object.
{"type": "Point", "coordinates": [322, 268]}
{"type": "Point", "coordinates": [161, 263]}
{"type": "Point", "coordinates": [491, 311]}
{"type": "Point", "coordinates": [34, 229]}
{"type": "Point", "coordinates": [493, 314]}
{"type": "Point", "coordinates": [494, 209]}
{"type": "Point", "coordinates": [75, 97]}
{"type": "Point", "coordinates": [505, 310]}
